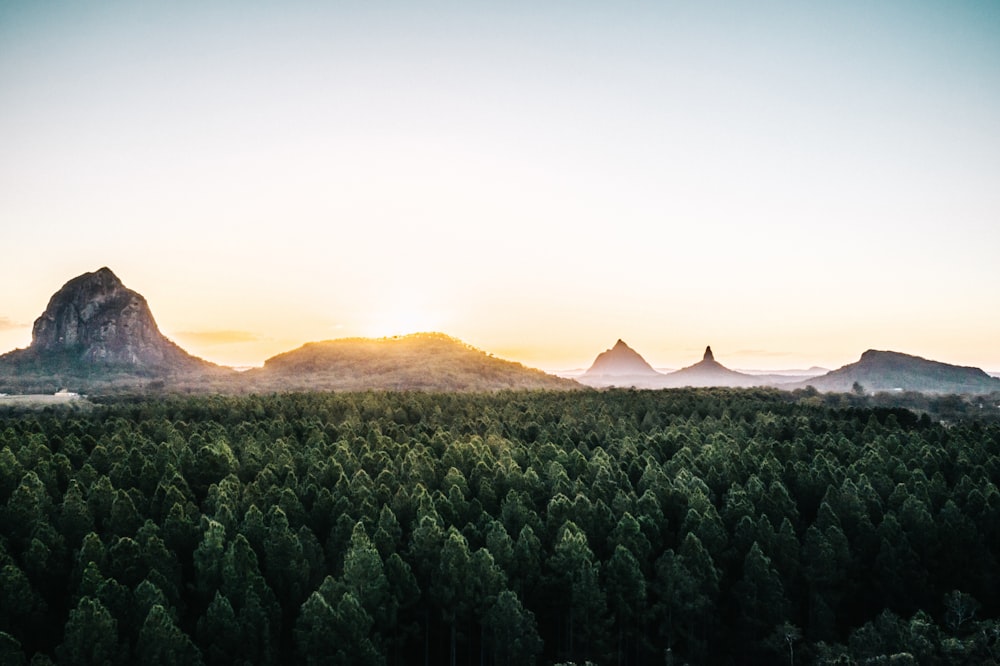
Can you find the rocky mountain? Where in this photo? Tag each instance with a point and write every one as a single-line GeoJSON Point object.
{"type": "Point", "coordinates": [422, 361]}
{"type": "Point", "coordinates": [96, 331]}
{"type": "Point", "coordinates": [709, 372]}
{"type": "Point", "coordinates": [893, 371]}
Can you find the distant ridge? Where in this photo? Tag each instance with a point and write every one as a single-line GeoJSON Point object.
{"type": "Point", "coordinates": [95, 331]}
{"type": "Point", "coordinates": [890, 371]}
{"type": "Point", "coordinates": [420, 361]}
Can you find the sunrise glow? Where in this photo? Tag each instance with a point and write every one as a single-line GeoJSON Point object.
{"type": "Point", "coordinates": [790, 184]}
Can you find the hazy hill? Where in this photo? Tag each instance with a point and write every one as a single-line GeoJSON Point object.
{"type": "Point", "coordinates": [421, 361]}
{"type": "Point", "coordinates": [709, 372]}
{"type": "Point", "coordinates": [96, 333]}
{"type": "Point", "coordinates": [620, 366]}
{"type": "Point", "coordinates": [890, 371]}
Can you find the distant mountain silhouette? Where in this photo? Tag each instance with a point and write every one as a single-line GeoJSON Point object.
{"type": "Point", "coordinates": [620, 360]}
{"type": "Point", "coordinates": [96, 331]}
{"type": "Point", "coordinates": [421, 361]}
{"type": "Point", "coordinates": [98, 336]}
{"type": "Point", "coordinates": [890, 371]}
{"type": "Point", "coordinates": [709, 372]}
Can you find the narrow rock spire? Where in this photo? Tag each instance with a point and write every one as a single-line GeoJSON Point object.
{"type": "Point", "coordinates": [708, 354]}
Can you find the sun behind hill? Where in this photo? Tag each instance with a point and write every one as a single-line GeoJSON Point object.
{"type": "Point", "coordinates": [403, 319]}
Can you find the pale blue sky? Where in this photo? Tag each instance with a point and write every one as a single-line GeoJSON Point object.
{"type": "Point", "coordinates": [789, 182]}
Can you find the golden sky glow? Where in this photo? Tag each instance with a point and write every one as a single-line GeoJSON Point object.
{"type": "Point", "coordinates": [792, 185]}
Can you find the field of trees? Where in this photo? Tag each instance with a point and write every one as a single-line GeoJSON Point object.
{"type": "Point", "coordinates": [620, 527]}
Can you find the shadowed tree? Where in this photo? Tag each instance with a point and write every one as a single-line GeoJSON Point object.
{"type": "Point", "coordinates": [959, 609]}
{"type": "Point", "coordinates": [90, 636]}
{"type": "Point", "coordinates": [22, 610]}
{"type": "Point", "coordinates": [335, 633]}
{"type": "Point", "coordinates": [208, 559]}
{"type": "Point", "coordinates": [452, 588]}
{"type": "Point", "coordinates": [511, 631]}
{"type": "Point", "coordinates": [388, 534]}
{"type": "Point", "coordinates": [687, 585]}
{"type": "Point", "coordinates": [405, 595]}
{"type": "Point", "coordinates": [219, 632]}
{"type": "Point", "coordinates": [161, 642]}
{"type": "Point", "coordinates": [425, 552]}
{"type": "Point", "coordinates": [10, 650]}
{"type": "Point", "coordinates": [760, 596]}
{"type": "Point", "coordinates": [364, 577]}
{"type": "Point", "coordinates": [28, 506]}
{"type": "Point", "coordinates": [75, 520]}
{"type": "Point", "coordinates": [284, 562]}
{"type": "Point", "coordinates": [576, 573]}
{"type": "Point", "coordinates": [627, 600]}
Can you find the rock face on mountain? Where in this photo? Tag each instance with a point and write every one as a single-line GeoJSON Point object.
{"type": "Point", "coordinates": [893, 371]}
{"type": "Point", "coordinates": [709, 372]}
{"type": "Point", "coordinates": [620, 361]}
{"type": "Point", "coordinates": [95, 327]}
{"type": "Point", "coordinates": [99, 320]}
{"type": "Point", "coordinates": [421, 361]}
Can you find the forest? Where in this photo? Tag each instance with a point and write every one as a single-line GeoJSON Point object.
{"type": "Point", "coordinates": [688, 526]}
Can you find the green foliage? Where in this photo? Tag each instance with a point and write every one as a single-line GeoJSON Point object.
{"type": "Point", "coordinates": [161, 642]}
{"type": "Point", "coordinates": [707, 526]}
{"type": "Point", "coordinates": [91, 635]}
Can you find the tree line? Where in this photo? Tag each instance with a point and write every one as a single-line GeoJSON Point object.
{"type": "Point", "coordinates": [713, 526]}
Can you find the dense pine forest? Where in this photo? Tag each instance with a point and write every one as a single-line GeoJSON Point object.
{"type": "Point", "coordinates": [618, 527]}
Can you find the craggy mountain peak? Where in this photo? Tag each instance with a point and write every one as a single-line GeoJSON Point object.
{"type": "Point", "coordinates": [708, 354]}
{"type": "Point", "coordinates": [94, 318]}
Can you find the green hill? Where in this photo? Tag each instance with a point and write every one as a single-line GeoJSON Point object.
{"type": "Point", "coordinates": [421, 361]}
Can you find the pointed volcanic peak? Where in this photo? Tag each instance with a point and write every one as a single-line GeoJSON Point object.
{"type": "Point", "coordinates": [620, 366]}
{"type": "Point", "coordinates": [879, 371]}
{"type": "Point", "coordinates": [421, 361]}
{"type": "Point", "coordinates": [620, 361]}
{"type": "Point", "coordinates": [709, 372]}
{"type": "Point", "coordinates": [94, 330]}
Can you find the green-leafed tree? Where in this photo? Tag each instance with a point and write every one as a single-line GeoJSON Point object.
{"type": "Point", "coordinates": [219, 633]}
{"type": "Point", "coordinates": [90, 636]}
{"type": "Point", "coordinates": [364, 577]}
{"type": "Point", "coordinates": [584, 613]}
{"type": "Point", "coordinates": [511, 631]}
{"type": "Point", "coordinates": [75, 520]}
{"type": "Point", "coordinates": [10, 650]}
{"type": "Point", "coordinates": [627, 601]}
{"type": "Point", "coordinates": [161, 642]}
{"type": "Point", "coordinates": [451, 590]}
{"type": "Point", "coordinates": [760, 597]}
{"type": "Point", "coordinates": [335, 633]}
{"type": "Point", "coordinates": [208, 559]}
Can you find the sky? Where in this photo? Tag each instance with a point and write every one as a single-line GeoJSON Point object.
{"type": "Point", "coordinates": [790, 182]}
